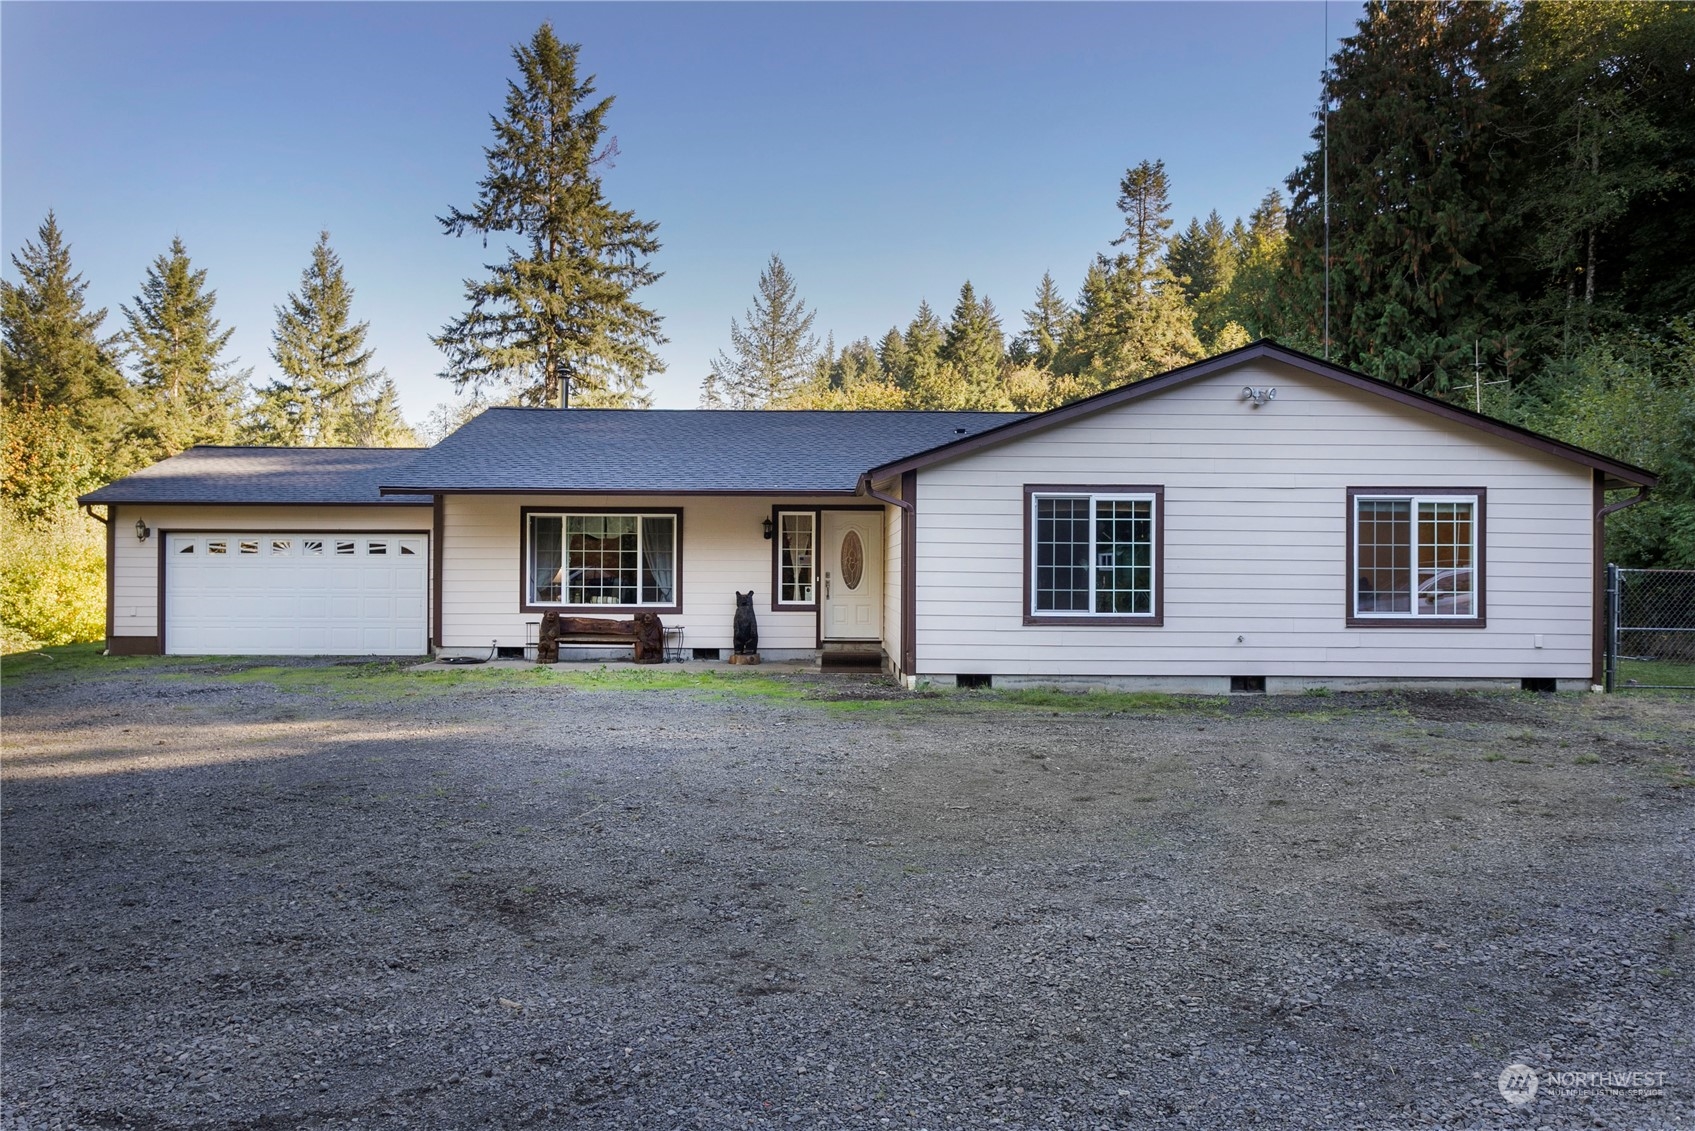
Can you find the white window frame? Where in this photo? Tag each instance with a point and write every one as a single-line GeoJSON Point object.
{"type": "Point", "coordinates": [530, 600]}
{"type": "Point", "coordinates": [1155, 498]}
{"type": "Point", "coordinates": [1415, 500]}
{"type": "Point", "coordinates": [811, 587]}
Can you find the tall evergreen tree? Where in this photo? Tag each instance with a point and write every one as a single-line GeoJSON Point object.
{"type": "Point", "coordinates": [188, 392]}
{"type": "Point", "coordinates": [1202, 257]}
{"type": "Point", "coordinates": [51, 348]}
{"type": "Point", "coordinates": [923, 348]}
{"type": "Point", "coordinates": [773, 354]}
{"type": "Point", "coordinates": [892, 356]}
{"type": "Point", "coordinates": [1133, 320]}
{"type": "Point", "coordinates": [1421, 163]}
{"type": "Point", "coordinates": [973, 341]}
{"type": "Point", "coordinates": [1202, 260]}
{"type": "Point", "coordinates": [328, 394]}
{"type": "Point", "coordinates": [1252, 299]}
{"type": "Point", "coordinates": [1046, 325]}
{"type": "Point", "coordinates": [557, 322]}
{"type": "Point", "coordinates": [1144, 196]}
{"type": "Point", "coordinates": [1610, 109]}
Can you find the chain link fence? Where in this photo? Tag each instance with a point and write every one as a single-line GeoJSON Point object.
{"type": "Point", "coordinates": [1650, 628]}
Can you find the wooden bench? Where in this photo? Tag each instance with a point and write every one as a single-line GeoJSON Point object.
{"type": "Point", "coordinates": [643, 633]}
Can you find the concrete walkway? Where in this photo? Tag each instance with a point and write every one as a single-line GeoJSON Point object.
{"type": "Point", "coordinates": [720, 667]}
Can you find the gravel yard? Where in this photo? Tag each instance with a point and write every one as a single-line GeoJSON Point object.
{"type": "Point", "coordinates": [321, 896]}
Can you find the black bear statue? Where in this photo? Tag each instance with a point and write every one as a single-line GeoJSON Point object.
{"type": "Point", "coordinates": [747, 629]}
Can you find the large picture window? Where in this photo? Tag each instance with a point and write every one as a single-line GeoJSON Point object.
{"type": "Point", "coordinates": [1093, 555]}
{"type": "Point", "coordinates": [797, 558]}
{"type": "Point", "coordinates": [1416, 557]}
{"type": "Point", "coordinates": [600, 558]}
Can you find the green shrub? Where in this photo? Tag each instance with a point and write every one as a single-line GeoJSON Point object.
{"type": "Point", "coordinates": [53, 578]}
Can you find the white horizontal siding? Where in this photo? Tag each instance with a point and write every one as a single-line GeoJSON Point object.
{"type": "Point", "coordinates": [892, 565]}
{"type": "Point", "coordinates": [1255, 528]}
{"type": "Point", "coordinates": [135, 564]}
{"type": "Point", "coordinates": [724, 551]}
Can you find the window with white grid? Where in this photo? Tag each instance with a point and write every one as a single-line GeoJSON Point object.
{"type": "Point", "coordinates": [796, 563]}
{"type": "Point", "coordinates": [1092, 555]}
{"type": "Point", "coordinates": [1416, 556]}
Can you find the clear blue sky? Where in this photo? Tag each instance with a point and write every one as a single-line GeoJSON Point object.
{"type": "Point", "coordinates": [888, 152]}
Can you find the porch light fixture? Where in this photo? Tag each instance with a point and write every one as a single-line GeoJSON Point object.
{"type": "Point", "coordinates": [141, 530]}
{"type": "Point", "coordinates": [766, 526]}
{"type": "Point", "coordinates": [1260, 397]}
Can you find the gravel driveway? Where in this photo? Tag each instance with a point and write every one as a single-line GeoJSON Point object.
{"type": "Point", "coordinates": [240, 899]}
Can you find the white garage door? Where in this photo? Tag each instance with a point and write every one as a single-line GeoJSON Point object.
{"type": "Point", "coordinates": [332, 594]}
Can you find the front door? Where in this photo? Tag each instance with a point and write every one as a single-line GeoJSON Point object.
{"type": "Point", "coordinates": [852, 545]}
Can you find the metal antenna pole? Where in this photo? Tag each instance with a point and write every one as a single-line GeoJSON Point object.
{"type": "Point", "coordinates": [1324, 93]}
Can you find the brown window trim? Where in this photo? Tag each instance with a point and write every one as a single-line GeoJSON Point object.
{"type": "Point", "coordinates": [1408, 620]}
{"type": "Point", "coordinates": [524, 606]}
{"type": "Point", "coordinates": [777, 512]}
{"type": "Point", "coordinates": [1157, 490]}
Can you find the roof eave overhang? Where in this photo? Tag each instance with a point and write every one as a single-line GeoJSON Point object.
{"type": "Point", "coordinates": [1622, 474]}
{"type": "Point", "coordinates": [760, 492]}
{"type": "Point", "coordinates": [91, 500]}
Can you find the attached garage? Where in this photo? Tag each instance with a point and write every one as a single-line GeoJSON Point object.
{"type": "Point", "coordinates": [287, 593]}
{"type": "Point", "coordinates": [268, 552]}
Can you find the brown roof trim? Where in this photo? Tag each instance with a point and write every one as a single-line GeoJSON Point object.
{"type": "Point", "coordinates": [1621, 474]}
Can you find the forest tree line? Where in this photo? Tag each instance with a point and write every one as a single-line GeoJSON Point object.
{"type": "Point", "coordinates": [1511, 227]}
{"type": "Point", "coordinates": [1511, 190]}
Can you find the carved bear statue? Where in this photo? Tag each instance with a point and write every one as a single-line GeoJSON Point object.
{"type": "Point", "coordinates": [547, 645]}
{"type": "Point", "coordinates": [747, 629]}
{"type": "Point", "coordinates": [650, 639]}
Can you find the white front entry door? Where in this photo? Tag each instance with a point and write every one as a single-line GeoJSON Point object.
{"type": "Point", "coordinates": [851, 546]}
{"type": "Point", "coordinates": [327, 593]}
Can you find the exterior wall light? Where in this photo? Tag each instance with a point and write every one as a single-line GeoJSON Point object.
{"type": "Point", "coordinates": [766, 526]}
{"type": "Point", "coordinates": [141, 530]}
{"type": "Point", "coordinates": [1260, 397]}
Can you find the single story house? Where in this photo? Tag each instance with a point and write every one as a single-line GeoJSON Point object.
{"type": "Point", "coordinates": [1260, 519]}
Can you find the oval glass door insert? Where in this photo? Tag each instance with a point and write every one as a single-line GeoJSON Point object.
{"type": "Point", "coordinates": [853, 559]}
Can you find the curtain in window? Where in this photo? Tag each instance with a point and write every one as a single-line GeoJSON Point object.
{"type": "Point", "coordinates": [546, 558]}
{"type": "Point", "coordinates": [659, 554]}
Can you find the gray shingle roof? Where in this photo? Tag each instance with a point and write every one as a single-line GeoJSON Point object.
{"type": "Point", "coordinates": [264, 475]}
{"type": "Point", "coordinates": [660, 450]}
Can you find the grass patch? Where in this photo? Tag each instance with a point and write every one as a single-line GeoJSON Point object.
{"type": "Point", "coordinates": [1652, 673]}
{"type": "Point", "coordinates": [389, 680]}
{"type": "Point", "coordinates": [80, 661]}
{"type": "Point", "coordinates": [1586, 760]}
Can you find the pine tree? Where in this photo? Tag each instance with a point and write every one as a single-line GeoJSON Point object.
{"type": "Point", "coordinates": [1252, 299]}
{"type": "Point", "coordinates": [557, 322]}
{"type": "Point", "coordinates": [892, 356]}
{"type": "Point", "coordinates": [1046, 325]}
{"type": "Point", "coordinates": [328, 395]}
{"type": "Point", "coordinates": [973, 342]}
{"type": "Point", "coordinates": [1144, 196]}
{"type": "Point", "coordinates": [376, 420]}
{"type": "Point", "coordinates": [773, 354]}
{"type": "Point", "coordinates": [1422, 160]}
{"type": "Point", "coordinates": [1133, 320]}
{"type": "Point", "coordinates": [923, 341]}
{"type": "Point", "coordinates": [51, 349]}
{"type": "Point", "coordinates": [1202, 258]}
{"type": "Point", "coordinates": [188, 393]}
{"type": "Point", "coordinates": [1608, 100]}
{"type": "Point", "coordinates": [858, 365]}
